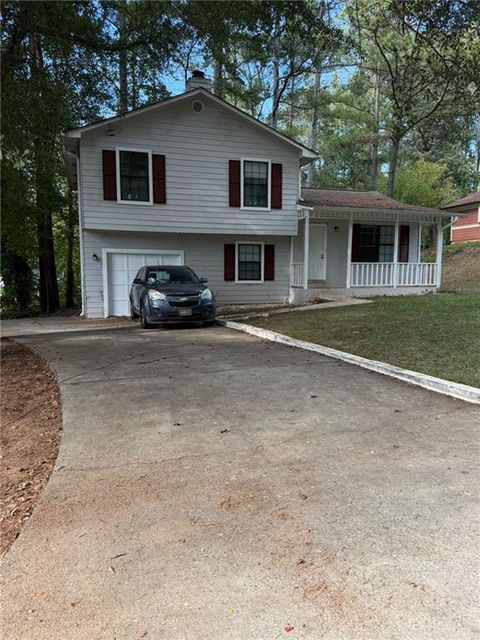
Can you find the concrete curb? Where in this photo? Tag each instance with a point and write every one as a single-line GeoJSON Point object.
{"type": "Point", "coordinates": [329, 304]}
{"type": "Point", "coordinates": [446, 387]}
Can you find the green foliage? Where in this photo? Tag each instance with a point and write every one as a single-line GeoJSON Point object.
{"type": "Point", "coordinates": [425, 183]}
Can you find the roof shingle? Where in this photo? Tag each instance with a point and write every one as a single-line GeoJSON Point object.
{"type": "Point", "coordinates": [356, 199]}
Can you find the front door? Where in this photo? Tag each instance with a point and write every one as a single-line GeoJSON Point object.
{"type": "Point", "coordinates": [317, 255]}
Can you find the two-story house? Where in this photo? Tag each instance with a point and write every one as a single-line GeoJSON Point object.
{"type": "Point", "coordinates": [194, 180]}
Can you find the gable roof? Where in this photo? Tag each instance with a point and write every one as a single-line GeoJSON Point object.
{"type": "Point", "coordinates": [471, 199]}
{"type": "Point", "coordinates": [353, 199]}
{"type": "Point", "coordinates": [307, 154]}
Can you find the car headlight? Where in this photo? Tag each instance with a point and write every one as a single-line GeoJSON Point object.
{"type": "Point", "coordinates": [206, 294]}
{"type": "Point", "coordinates": [153, 294]}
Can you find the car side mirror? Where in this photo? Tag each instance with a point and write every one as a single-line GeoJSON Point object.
{"type": "Point", "coordinates": [138, 281]}
{"type": "Point", "coordinates": [204, 280]}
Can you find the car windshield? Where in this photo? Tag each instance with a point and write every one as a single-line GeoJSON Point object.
{"type": "Point", "coordinates": [170, 275]}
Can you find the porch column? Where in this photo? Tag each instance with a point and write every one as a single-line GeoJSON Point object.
{"type": "Point", "coordinates": [291, 260]}
{"type": "Point", "coordinates": [306, 248]}
{"type": "Point", "coordinates": [395, 251]}
{"type": "Point", "coordinates": [349, 250]}
{"type": "Point", "coordinates": [439, 254]}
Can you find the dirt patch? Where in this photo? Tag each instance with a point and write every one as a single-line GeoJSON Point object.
{"type": "Point", "coordinates": [461, 272]}
{"type": "Point", "coordinates": [239, 503]}
{"type": "Point", "coordinates": [31, 431]}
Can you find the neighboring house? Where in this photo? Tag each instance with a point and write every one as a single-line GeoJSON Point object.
{"type": "Point", "coordinates": [197, 181]}
{"type": "Point", "coordinates": [467, 228]}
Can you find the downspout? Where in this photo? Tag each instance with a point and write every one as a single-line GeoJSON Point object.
{"type": "Point", "coordinates": [80, 229]}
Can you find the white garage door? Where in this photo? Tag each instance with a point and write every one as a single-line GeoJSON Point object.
{"type": "Point", "coordinates": [122, 269]}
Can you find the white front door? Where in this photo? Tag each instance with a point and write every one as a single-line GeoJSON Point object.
{"type": "Point", "coordinates": [317, 254]}
{"type": "Point", "coordinates": [122, 268]}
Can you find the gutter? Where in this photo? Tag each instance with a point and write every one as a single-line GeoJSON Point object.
{"type": "Point", "coordinates": [319, 209]}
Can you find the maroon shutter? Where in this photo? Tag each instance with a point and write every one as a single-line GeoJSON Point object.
{"type": "Point", "coordinates": [404, 241]}
{"type": "Point", "coordinates": [269, 262]}
{"type": "Point", "coordinates": [229, 262]}
{"type": "Point", "coordinates": [356, 243]}
{"type": "Point", "coordinates": [159, 182]}
{"type": "Point", "coordinates": [234, 183]}
{"type": "Point", "coordinates": [109, 169]}
{"type": "Point", "coordinates": [276, 195]}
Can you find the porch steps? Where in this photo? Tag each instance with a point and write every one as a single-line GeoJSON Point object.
{"type": "Point", "coordinates": [317, 284]}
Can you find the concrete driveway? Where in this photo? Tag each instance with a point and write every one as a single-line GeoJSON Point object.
{"type": "Point", "coordinates": [211, 485]}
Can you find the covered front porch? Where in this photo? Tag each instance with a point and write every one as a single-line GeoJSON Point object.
{"type": "Point", "coordinates": [363, 251]}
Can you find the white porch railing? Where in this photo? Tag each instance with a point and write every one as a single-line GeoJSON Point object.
{"type": "Point", "coordinates": [390, 274]}
{"type": "Point", "coordinates": [413, 274]}
{"type": "Point", "coordinates": [296, 274]}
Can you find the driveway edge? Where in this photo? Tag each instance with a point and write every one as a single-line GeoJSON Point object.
{"type": "Point", "coordinates": [439, 385]}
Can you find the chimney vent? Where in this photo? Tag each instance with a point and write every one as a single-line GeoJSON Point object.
{"type": "Point", "coordinates": [198, 81]}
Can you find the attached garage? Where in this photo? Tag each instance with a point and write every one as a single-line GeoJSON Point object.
{"type": "Point", "coordinates": [120, 268]}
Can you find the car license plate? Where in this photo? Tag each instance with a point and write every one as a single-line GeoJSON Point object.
{"type": "Point", "coordinates": [184, 312]}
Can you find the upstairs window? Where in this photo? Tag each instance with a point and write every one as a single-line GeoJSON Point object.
{"type": "Point", "coordinates": [249, 262]}
{"type": "Point", "coordinates": [134, 176]}
{"type": "Point", "coordinates": [256, 184]}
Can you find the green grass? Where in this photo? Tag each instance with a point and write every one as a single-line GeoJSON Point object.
{"type": "Point", "coordinates": [434, 334]}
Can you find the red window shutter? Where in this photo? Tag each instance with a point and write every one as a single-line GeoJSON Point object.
{"type": "Point", "coordinates": [229, 262]}
{"type": "Point", "coordinates": [276, 195]}
{"type": "Point", "coordinates": [234, 183]}
{"type": "Point", "coordinates": [356, 243]}
{"type": "Point", "coordinates": [269, 262]}
{"type": "Point", "coordinates": [403, 243]}
{"type": "Point", "coordinates": [159, 181]}
{"type": "Point", "coordinates": [109, 168]}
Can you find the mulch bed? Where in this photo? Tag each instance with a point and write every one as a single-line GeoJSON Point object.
{"type": "Point", "coordinates": [31, 432]}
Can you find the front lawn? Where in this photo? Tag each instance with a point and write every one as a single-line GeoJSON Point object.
{"type": "Point", "coordinates": [435, 334]}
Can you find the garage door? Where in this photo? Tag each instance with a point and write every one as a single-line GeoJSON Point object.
{"type": "Point", "coordinates": [122, 269]}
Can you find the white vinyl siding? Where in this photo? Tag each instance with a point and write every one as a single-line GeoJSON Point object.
{"type": "Point", "coordinates": [197, 149]}
{"type": "Point", "coordinates": [205, 255]}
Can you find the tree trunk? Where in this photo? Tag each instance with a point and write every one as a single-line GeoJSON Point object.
{"type": "Point", "coordinates": [276, 92]}
{"type": "Point", "coordinates": [392, 166]}
{"type": "Point", "coordinates": [44, 189]}
{"type": "Point", "coordinates": [477, 151]}
{"type": "Point", "coordinates": [70, 234]}
{"type": "Point", "coordinates": [218, 78]}
{"type": "Point", "coordinates": [312, 142]}
{"type": "Point", "coordinates": [122, 66]}
{"type": "Point", "coordinates": [374, 150]}
{"type": "Point", "coordinates": [292, 97]}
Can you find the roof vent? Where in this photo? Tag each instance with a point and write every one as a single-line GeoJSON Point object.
{"type": "Point", "coordinates": [198, 106]}
{"type": "Point", "coordinates": [198, 81]}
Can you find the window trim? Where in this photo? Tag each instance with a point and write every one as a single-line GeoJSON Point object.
{"type": "Point", "coordinates": [262, 262]}
{"type": "Point", "coordinates": [150, 176]}
{"type": "Point", "coordinates": [244, 159]}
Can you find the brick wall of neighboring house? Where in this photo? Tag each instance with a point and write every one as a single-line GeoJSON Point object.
{"type": "Point", "coordinates": [467, 228]}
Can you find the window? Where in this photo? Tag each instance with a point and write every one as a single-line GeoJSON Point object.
{"type": "Point", "coordinates": [376, 243]}
{"type": "Point", "coordinates": [134, 176]}
{"type": "Point", "coordinates": [166, 275]}
{"type": "Point", "coordinates": [256, 184]}
{"type": "Point", "coordinates": [385, 244]}
{"type": "Point", "coordinates": [249, 262]}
